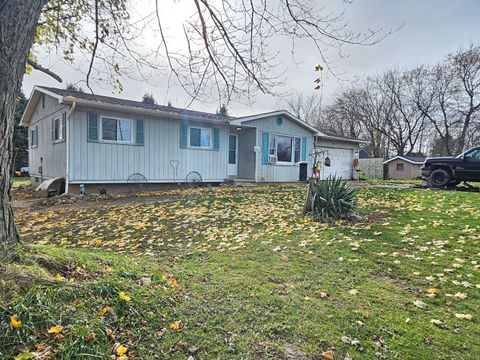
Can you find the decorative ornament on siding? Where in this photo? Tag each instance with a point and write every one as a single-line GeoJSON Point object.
{"type": "Point", "coordinates": [175, 164]}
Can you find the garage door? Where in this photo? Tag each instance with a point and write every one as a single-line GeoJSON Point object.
{"type": "Point", "coordinates": [340, 160]}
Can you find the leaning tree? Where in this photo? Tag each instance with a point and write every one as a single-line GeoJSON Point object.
{"type": "Point", "coordinates": [223, 49]}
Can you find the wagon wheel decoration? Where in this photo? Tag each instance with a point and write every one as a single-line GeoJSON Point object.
{"type": "Point", "coordinates": [193, 179]}
{"type": "Point", "coordinates": [137, 182]}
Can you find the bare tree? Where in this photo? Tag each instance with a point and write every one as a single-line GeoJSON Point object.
{"type": "Point", "coordinates": [226, 50]}
{"type": "Point", "coordinates": [308, 108]}
{"type": "Point", "coordinates": [449, 97]}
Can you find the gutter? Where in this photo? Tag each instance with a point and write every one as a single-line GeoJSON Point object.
{"type": "Point", "coordinates": [133, 109]}
{"type": "Point", "coordinates": [67, 138]}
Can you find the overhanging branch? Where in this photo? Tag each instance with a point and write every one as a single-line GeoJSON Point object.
{"type": "Point", "coordinates": [49, 72]}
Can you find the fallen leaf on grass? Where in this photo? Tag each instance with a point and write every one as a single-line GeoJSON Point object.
{"type": "Point", "coordinates": [15, 322]}
{"type": "Point", "coordinates": [420, 304]}
{"type": "Point", "coordinates": [124, 296]}
{"type": "Point", "coordinates": [353, 292]}
{"type": "Point", "coordinates": [327, 355]}
{"type": "Point", "coordinates": [120, 350]}
{"type": "Point", "coordinates": [464, 316]}
{"type": "Point", "coordinates": [436, 322]}
{"type": "Point", "coordinates": [55, 329]}
{"type": "Point", "coordinates": [105, 310]}
{"type": "Point", "coordinates": [461, 295]}
{"type": "Point", "coordinates": [176, 325]}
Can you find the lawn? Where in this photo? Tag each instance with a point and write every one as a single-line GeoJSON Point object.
{"type": "Point", "coordinates": [234, 273]}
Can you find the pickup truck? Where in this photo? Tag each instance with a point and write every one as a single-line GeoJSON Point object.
{"type": "Point", "coordinates": [450, 171]}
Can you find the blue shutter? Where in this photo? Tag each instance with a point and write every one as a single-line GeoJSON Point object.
{"type": "Point", "coordinates": [139, 133]}
{"type": "Point", "coordinates": [303, 156]}
{"type": "Point", "coordinates": [92, 127]}
{"type": "Point", "coordinates": [265, 145]}
{"type": "Point", "coordinates": [64, 127]}
{"type": "Point", "coordinates": [216, 138]}
{"type": "Point", "coordinates": [183, 134]}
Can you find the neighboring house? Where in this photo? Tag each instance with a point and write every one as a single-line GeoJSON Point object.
{"type": "Point", "coordinates": [99, 142]}
{"type": "Point", "coordinates": [404, 167]}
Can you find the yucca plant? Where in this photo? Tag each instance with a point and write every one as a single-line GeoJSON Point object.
{"type": "Point", "coordinates": [331, 200]}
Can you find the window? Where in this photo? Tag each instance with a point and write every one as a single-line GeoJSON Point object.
{"type": "Point", "coordinates": [284, 149]}
{"type": "Point", "coordinates": [34, 137]}
{"type": "Point", "coordinates": [200, 137]}
{"type": "Point", "coordinates": [119, 130]}
{"type": "Point", "coordinates": [272, 148]}
{"type": "Point", "coordinates": [399, 167]}
{"type": "Point", "coordinates": [297, 149]}
{"type": "Point", "coordinates": [287, 149]}
{"type": "Point", "coordinates": [475, 155]}
{"type": "Point", "coordinates": [58, 129]}
{"type": "Point", "coordinates": [232, 149]}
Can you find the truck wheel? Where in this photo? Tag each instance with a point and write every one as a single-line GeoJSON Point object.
{"type": "Point", "coordinates": [440, 178]}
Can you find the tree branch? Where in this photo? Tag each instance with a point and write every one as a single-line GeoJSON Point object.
{"type": "Point", "coordinates": [39, 67]}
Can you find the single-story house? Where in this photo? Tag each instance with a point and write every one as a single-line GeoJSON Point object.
{"type": "Point", "coordinates": [100, 142]}
{"type": "Point", "coordinates": [404, 167]}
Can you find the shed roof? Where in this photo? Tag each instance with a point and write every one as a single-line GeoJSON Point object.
{"type": "Point", "coordinates": [416, 160]}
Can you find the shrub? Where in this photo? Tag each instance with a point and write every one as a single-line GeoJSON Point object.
{"type": "Point", "coordinates": [331, 200]}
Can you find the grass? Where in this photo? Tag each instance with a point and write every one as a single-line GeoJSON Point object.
{"type": "Point", "coordinates": [248, 277]}
{"type": "Point", "coordinates": [393, 181]}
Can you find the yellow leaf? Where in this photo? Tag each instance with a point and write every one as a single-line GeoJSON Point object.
{"type": "Point", "coordinates": [432, 291]}
{"type": "Point", "coordinates": [105, 310]}
{"type": "Point", "coordinates": [353, 292]}
{"type": "Point", "coordinates": [124, 296]}
{"type": "Point", "coordinates": [15, 322]}
{"type": "Point", "coordinates": [121, 350]}
{"type": "Point", "coordinates": [55, 329]}
{"type": "Point", "coordinates": [58, 277]}
{"type": "Point", "coordinates": [176, 325]}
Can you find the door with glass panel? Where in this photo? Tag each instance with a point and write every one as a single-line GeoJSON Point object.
{"type": "Point", "coordinates": [232, 160]}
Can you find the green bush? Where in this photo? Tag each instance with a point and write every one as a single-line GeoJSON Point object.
{"type": "Point", "coordinates": [331, 200]}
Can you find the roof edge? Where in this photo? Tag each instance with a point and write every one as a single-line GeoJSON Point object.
{"type": "Point", "coordinates": [404, 159]}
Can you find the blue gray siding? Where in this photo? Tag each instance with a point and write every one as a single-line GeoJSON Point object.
{"type": "Point", "coordinates": [48, 155]}
{"type": "Point", "coordinates": [97, 162]}
{"type": "Point", "coordinates": [280, 173]}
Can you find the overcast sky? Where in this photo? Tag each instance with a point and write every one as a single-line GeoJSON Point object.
{"type": "Point", "coordinates": [430, 30]}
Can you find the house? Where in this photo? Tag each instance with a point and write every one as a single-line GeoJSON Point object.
{"type": "Point", "coordinates": [99, 142]}
{"type": "Point", "coordinates": [404, 167]}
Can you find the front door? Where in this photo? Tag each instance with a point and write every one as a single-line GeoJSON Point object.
{"type": "Point", "coordinates": [232, 166]}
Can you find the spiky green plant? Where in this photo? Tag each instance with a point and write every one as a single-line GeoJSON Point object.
{"type": "Point", "coordinates": [331, 200]}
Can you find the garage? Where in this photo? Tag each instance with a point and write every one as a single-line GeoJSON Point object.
{"type": "Point", "coordinates": [336, 162]}
{"type": "Point", "coordinates": [336, 155]}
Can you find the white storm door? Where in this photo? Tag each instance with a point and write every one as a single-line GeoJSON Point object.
{"type": "Point", "coordinates": [232, 158]}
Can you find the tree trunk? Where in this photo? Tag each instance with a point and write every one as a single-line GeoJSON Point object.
{"type": "Point", "coordinates": [18, 23]}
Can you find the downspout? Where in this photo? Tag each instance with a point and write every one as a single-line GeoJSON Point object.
{"type": "Point", "coordinates": [67, 138]}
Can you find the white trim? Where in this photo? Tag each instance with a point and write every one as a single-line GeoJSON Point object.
{"type": "Point", "coordinates": [241, 120]}
{"type": "Point", "coordinates": [60, 129]}
{"type": "Point", "coordinates": [339, 138]}
{"type": "Point", "coordinates": [67, 144]}
{"type": "Point", "coordinates": [101, 139]}
{"type": "Point", "coordinates": [398, 157]}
